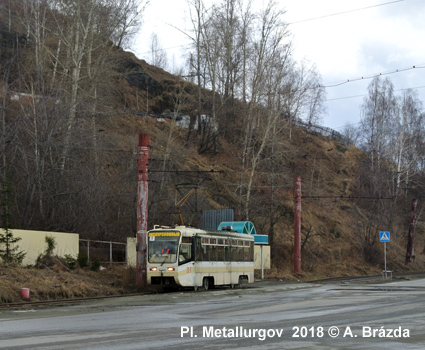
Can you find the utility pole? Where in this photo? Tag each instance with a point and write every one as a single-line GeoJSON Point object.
{"type": "Point", "coordinates": [411, 231]}
{"type": "Point", "coordinates": [142, 208]}
{"type": "Point", "coordinates": [297, 225]}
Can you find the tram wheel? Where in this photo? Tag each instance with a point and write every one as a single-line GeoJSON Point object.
{"type": "Point", "coordinates": [205, 283]}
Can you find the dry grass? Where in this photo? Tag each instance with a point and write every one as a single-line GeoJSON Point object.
{"type": "Point", "coordinates": [55, 283]}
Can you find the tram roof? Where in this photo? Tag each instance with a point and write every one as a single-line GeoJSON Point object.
{"type": "Point", "coordinates": [193, 231]}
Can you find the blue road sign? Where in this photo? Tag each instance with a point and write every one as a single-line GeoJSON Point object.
{"type": "Point", "coordinates": [384, 236]}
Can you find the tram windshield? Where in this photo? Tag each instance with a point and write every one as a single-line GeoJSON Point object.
{"type": "Point", "coordinates": [163, 248]}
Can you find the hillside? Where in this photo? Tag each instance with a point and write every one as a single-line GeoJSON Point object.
{"type": "Point", "coordinates": [70, 155]}
{"type": "Point", "coordinates": [338, 228]}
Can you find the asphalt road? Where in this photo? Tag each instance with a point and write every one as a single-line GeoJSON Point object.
{"type": "Point", "coordinates": [266, 316]}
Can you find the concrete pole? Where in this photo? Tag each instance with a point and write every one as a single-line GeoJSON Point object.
{"type": "Point", "coordinates": [297, 225]}
{"type": "Point", "coordinates": [142, 208]}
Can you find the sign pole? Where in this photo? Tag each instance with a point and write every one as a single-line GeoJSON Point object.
{"type": "Point", "coordinates": [384, 236]}
{"type": "Point", "coordinates": [262, 263]}
{"type": "Point", "coordinates": [385, 259]}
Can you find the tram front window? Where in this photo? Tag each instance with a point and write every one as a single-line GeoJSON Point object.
{"type": "Point", "coordinates": [163, 249]}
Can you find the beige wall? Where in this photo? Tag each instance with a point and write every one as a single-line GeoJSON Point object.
{"type": "Point", "coordinates": [257, 257]}
{"type": "Point", "coordinates": [131, 254]}
{"type": "Point", "coordinates": [33, 244]}
{"type": "Point", "coordinates": [131, 251]}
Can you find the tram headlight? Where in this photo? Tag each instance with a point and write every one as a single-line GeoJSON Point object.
{"type": "Point", "coordinates": [170, 269]}
{"type": "Point", "coordinates": [153, 269]}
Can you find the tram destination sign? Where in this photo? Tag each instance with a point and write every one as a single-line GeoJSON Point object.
{"type": "Point", "coordinates": [164, 234]}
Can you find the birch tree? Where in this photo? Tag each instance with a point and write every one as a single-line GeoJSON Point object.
{"type": "Point", "coordinates": [378, 111]}
{"type": "Point", "coordinates": [269, 68]}
{"type": "Point", "coordinates": [63, 76]}
{"type": "Point", "coordinates": [407, 127]}
{"type": "Point", "coordinates": [197, 11]}
{"type": "Point", "coordinates": [85, 28]}
{"type": "Point", "coordinates": [158, 55]}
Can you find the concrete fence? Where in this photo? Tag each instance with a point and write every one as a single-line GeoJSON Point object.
{"type": "Point", "coordinates": [33, 244]}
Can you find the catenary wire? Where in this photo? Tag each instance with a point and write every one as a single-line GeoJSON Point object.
{"type": "Point", "coordinates": [365, 77]}
{"type": "Point", "coordinates": [296, 22]}
{"type": "Point", "coordinates": [354, 96]}
{"type": "Point", "coordinates": [345, 12]}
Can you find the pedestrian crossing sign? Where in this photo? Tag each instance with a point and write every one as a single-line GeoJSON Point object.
{"type": "Point", "coordinates": [384, 236]}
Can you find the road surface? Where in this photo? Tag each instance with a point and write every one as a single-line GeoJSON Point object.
{"type": "Point", "coordinates": [266, 316]}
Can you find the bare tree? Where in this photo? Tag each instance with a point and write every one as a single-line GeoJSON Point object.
{"type": "Point", "coordinates": [126, 17]}
{"type": "Point", "coordinates": [198, 20]}
{"type": "Point", "coordinates": [269, 69]}
{"type": "Point", "coordinates": [245, 34]}
{"type": "Point", "coordinates": [408, 124]}
{"type": "Point", "coordinates": [378, 111]}
{"type": "Point", "coordinates": [158, 54]}
{"type": "Point", "coordinates": [58, 97]}
{"type": "Point", "coordinates": [227, 30]}
{"type": "Point", "coordinates": [84, 29]}
{"type": "Point", "coordinates": [392, 127]}
{"type": "Point", "coordinates": [315, 97]}
{"type": "Point", "coordinates": [352, 133]}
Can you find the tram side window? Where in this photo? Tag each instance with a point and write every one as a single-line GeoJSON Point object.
{"type": "Point", "coordinates": [233, 253]}
{"type": "Point", "coordinates": [198, 249]}
{"type": "Point", "coordinates": [212, 253]}
{"type": "Point", "coordinates": [211, 249]}
{"type": "Point", "coordinates": [204, 250]}
{"type": "Point", "coordinates": [248, 251]}
{"type": "Point", "coordinates": [227, 253]}
{"type": "Point", "coordinates": [241, 254]}
{"type": "Point", "coordinates": [220, 253]}
{"type": "Point", "coordinates": [185, 253]}
{"type": "Point", "coordinates": [246, 254]}
{"type": "Point", "coordinates": [237, 250]}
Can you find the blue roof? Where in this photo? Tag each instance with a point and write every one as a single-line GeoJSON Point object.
{"type": "Point", "coordinates": [239, 226]}
{"type": "Point", "coordinates": [261, 239]}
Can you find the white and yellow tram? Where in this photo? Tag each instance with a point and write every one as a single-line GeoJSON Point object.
{"type": "Point", "coordinates": [189, 257]}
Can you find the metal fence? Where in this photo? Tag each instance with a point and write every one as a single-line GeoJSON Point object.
{"type": "Point", "coordinates": [104, 251]}
{"type": "Point", "coordinates": [323, 130]}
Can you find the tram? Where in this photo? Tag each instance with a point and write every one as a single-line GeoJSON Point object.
{"type": "Point", "coordinates": [183, 256]}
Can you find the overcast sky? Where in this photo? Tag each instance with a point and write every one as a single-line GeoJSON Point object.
{"type": "Point", "coordinates": [346, 39]}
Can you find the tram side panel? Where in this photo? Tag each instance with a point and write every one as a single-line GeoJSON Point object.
{"type": "Point", "coordinates": [223, 259]}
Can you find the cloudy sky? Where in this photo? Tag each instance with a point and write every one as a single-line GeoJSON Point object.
{"type": "Point", "coordinates": [346, 39]}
